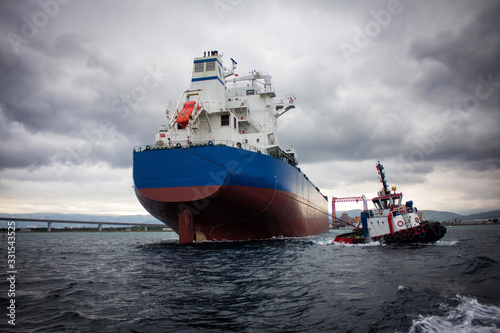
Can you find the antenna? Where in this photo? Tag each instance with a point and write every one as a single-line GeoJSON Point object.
{"type": "Point", "coordinates": [233, 64]}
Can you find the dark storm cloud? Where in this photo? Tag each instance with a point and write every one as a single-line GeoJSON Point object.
{"type": "Point", "coordinates": [29, 99]}
{"type": "Point", "coordinates": [39, 89]}
{"type": "Point", "coordinates": [18, 148]}
{"type": "Point", "coordinates": [471, 52]}
{"type": "Point", "coordinates": [62, 98]}
{"type": "Point", "coordinates": [469, 81]}
{"type": "Point", "coordinates": [436, 114]}
{"type": "Point", "coordinates": [469, 62]}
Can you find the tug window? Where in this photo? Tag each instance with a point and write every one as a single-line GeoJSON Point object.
{"type": "Point", "coordinates": [199, 67]}
{"type": "Point", "coordinates": [210, 66]}
{"type": "Point", "coordinates": [224, 120]}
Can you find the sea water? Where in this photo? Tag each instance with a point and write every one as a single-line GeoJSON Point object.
{"type": "Point", "coordinates": [146, 282]}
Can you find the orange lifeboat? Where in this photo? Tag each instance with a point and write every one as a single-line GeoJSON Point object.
{"type": "Point", "coordinates": [185, 114]}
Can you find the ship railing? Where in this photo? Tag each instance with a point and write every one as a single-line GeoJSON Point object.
{"type": "Point", "coordinates": [279, 153]}
{"type": "Point", "coordinates": [160, 145]}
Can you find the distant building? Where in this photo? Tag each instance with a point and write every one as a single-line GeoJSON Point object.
{"type": "Point", "coordinates": [343, 221]}
{"type": "Point", "coordinates": [347, 219]}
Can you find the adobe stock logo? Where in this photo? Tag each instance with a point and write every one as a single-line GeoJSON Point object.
{"type": "Point", "coordinates": [224, 6]}
{"type": "Point", "coordinates": [33, 24]}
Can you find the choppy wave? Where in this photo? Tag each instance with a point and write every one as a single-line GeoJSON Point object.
{"type": "Point", "coordinates": [479, 265]}
{"type": "Point", "coordinates": [468, 316]}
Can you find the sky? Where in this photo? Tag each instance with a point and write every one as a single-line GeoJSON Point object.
{"type": "Point", "coordinates": [412, 84]}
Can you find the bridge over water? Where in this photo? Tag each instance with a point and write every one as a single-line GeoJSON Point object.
{"type": "Point", "coordinates": [99, 228]}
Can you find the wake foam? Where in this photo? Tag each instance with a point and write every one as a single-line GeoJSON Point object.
{"type": "Point", "coordinates": [377, 243]}
{"type": "Point", "coordinates": [446, 243]}
{"type": "Point", "coordinates": [468, 316]}
{"type": "Point", "coordinates": [371, 243]}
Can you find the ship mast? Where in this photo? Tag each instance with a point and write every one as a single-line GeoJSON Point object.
{"type": "Point", "coordinates": [385, 187]}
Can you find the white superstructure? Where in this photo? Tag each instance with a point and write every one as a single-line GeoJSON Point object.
{"type": "Point", "coordinates": [390, 215]}
{"type": "Point", "coordinates": [221, 107]}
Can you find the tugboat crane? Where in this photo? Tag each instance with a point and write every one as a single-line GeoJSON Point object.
{"type": "Point", "coordinates": [347, 199]}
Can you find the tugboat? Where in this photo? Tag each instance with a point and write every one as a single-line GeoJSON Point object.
{"type": "Point", "coordinates": [391, 222]}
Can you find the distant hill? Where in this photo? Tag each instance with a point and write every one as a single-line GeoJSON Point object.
{"type": "Point", "coordinates": [431, 215]}
{"type": "Point", "coordinates": [486, 215]}
{"type": "Point", "coordinates": [436, 215]}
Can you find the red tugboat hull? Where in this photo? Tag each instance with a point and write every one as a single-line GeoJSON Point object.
{"type": "Point", "coordinates": [424, 233]}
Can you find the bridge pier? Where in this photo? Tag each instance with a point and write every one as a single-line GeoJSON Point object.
{"type": "Point", "coordinates": [49, 226]}
{"type": "Point", "coordinates": [99, 227]}
{"type": "Point", "coordinates": [145, 228]}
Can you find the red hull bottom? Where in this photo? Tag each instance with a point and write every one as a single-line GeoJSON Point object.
{"type": "Point", "coordinates": [243, 213]}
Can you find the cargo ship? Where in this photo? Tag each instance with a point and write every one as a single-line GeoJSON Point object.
{"type": "Point", "coordinates": [217, 172]}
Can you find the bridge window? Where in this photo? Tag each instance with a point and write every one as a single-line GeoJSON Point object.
{"type": "Point", "coordinates": [250, 92]}
{"type": "Point", "coordinates": [199, 67]}
{"type": "Point", "coordinates": [385, 203]}
{"type": "Point", "coordinates": [210, 66]}
{"type": "Point", "coordinates": [224, 120]}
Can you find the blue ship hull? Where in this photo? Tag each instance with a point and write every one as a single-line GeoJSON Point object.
{"type": "Point", "coordinates": [232, 194]}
